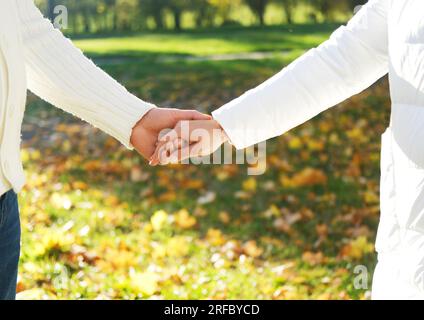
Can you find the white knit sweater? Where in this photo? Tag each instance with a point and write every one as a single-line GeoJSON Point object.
{"type": "Point", "coordinates": [35, 56]}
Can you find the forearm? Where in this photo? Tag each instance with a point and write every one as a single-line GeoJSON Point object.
{"type": "Point", "coordinates": [59, 73]}
{"type": "Point", "coordinates": [350, 61]}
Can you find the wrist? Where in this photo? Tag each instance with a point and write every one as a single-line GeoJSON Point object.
{"type": "Point", "coordinates": [223, 135]}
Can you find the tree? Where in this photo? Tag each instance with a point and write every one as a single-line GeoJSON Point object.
{"type": "Point", "coordinates": [224, 8]}
{"type": "Point", "coordinates": [354, 3]}
{"type": "Point", "coordinates": [328, 7]}
{"type": "Point", "coordinates": [288, 7]}
{"type": "Point", "coordinates": [154, 9]}
{"type": "Point", "coordinates": [51, 4]}
{"type": "Point", "coordinates": [177, 7]}
{"type": "Point", "coordinates": [258, 7]}
{"type": "Point", "coordinates": [204, 12]}
{"type": "Point", "coordinates": [111, 11]}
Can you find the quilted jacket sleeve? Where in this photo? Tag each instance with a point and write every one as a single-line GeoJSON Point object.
{"type": "Point", "coordinates": [353, 58]}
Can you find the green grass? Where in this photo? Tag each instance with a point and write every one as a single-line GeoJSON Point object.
{"type": "Point", "coordinates": [209, 41]}
{"type": "Point", "coordinates": [87, 210]}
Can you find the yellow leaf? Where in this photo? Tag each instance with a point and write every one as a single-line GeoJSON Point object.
{"type": "Point", "coordinates": [252, 250]}
{"type": "Point", "coordinates": [178, 247]}
{"type": "Point", "coordinates": [145, 283]}
{"type": "Point", "coordinates": [315, 145]}
{"type": "Point", "coordinates": [250, 185]}
{"type": "Point", "coordinates": [60, 201]}
{"type": "Point", "coordinates": [215, 237]}
{"type": "Point", "coordinates": [313, 258]}
{"type": "Point", "coordinates": [371, 197]}
{"type": "Point", "coordinates": [305, 178]}
{"type": "Point", "coordinates": [295, 143]}
{"type": "Point", "coordinates": [224, 217]}
{"type": "Point", "coordinates": [111, 201]}
{"type": "Point", "coordinates": [79, 185]}
{"type": "Point", "coordinates": [168, 196]}
{"type": "Point", "coordinates": [357, 248]}
{"type": "Point", "coordinates": [158, 220]}
{"type": "Point", "coordinates": [184, 220]}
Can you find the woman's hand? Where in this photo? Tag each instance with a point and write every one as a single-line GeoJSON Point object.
{"type": "Point", "coordinates": [189, 139]}
{"type": "Point", "coordinates": [145, 134]}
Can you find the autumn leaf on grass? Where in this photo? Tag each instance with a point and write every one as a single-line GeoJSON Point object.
{"type": "Point", "coordinates": [232, 249]}
{"type": "Point", "coordinates": [250, 185]}
{"type": "Point", "coordinates": [178, 247]}
{"type": "Point", "coordinates": [33, 294]}
{"type": "Point", "coordinates": [159, 220]}
{"type": "Point", "coordinates": [184, 220]}
{"type": "Point", "coordinates": [137, 175]}
{"type": "Point", "coordinates": [322, 231]}
{"type": "Point", "coordinates": [272, 212]}
{"type": "Point", "coordinates": [251, 249]}
{"type": "Point", "coordinates": [357, 135]}
{"type": "Point", "coordinates": [60, 201]}
{"type": "Point", "coordinates": [80, 185]}
{"type": "Point", "coordinates": [295, 143]}
{"type": "Point", "coordinates": [168, 196]}
{"type": "Point", "coordinates": [192, 184]}
{"type": "Point", "coordinates": [224, 217]}
{"type": "Point", "coordinates": [215, 237]}
{"type": "Point", "coordinates": [200, 212]}
{"type": "Point", "coordinates": [286, 222]}
{"type": "Point", "coordinates": [144, 283]}
{"type": "Point", "coordinates": [208, 197]}
{"type": "Point", "coordinates": [286, 293]}
{"type": "Point", "coordinates": [312, 258]}
{"type": "Point", "coordinates": [371, 197]}
{"type": "Point", "coordinates": [357, 248]}
{"type": "Point", "coordinates": [306, 178]}
{"type": "Point", "coordinates": [315, 145]}
{"type": "Point", "coordinates": [111, 201]}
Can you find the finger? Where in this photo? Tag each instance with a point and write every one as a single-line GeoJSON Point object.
{"type": "Point", "coordinates": [186, 152]}
{"type": "Point", "coordinates": [173, 134]}
{"type": "Point", "coordinates": [196, 115]}
{"type": "Point", "coordinates": [154, 159]}
{"type": "Point", "coordinates": [166, 152]}
{"type": "Point", "coordinates": [160, 150]}
{"type": "Point", "coordinates": [191, 115]}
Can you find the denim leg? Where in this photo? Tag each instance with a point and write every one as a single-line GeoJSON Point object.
{"type": "Point", "coordinates": [10, 237]}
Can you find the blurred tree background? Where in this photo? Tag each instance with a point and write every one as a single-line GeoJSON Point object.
{"type": "Point", "coordinates": [100, 16]}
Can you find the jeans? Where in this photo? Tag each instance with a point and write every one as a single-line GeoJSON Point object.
{"type": "Point", "coordinates": [10, 238]}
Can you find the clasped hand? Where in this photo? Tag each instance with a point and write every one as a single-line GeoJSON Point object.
{"type": "Point", "coordinates": [168, 136]}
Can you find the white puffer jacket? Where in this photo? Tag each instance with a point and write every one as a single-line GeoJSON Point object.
{"type": "Point", "coordinates": [385, 36]}
{"type": "Point", "coordinates": [34, 55]}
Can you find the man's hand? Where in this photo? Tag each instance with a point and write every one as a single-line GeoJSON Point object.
{"type": "Point", "coordinates": [146, 132]}
{"type": "Point", "coordinates": [189, 139]}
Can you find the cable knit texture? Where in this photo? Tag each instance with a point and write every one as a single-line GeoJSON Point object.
{"type": "Point", "coordinates": [36, 56]}
{"type": "Point", "coordinates": [59, 73]}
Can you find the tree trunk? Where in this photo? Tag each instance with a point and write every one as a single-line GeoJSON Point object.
{"type": "Point", "coordinates": [262, 16]}
{"type": "Point", "coordinates": [50, 10]}
{"type": "Point", "coordinates": [86, 22]}
{"type": "Point", "coordinates": [289, 13]}
{"type": "Point", "coordinates": [158, 20]}
{"type": "Point", "coordinates": [177, 19]}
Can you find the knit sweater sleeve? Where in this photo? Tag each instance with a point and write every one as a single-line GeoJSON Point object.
{"type": "Point", "coordinates": [59, 73]}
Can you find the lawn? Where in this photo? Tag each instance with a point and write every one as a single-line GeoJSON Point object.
{"type": "Point", "coordinates": [209, 41]}
{"type": "Point", "coordinates": [99, 223]}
